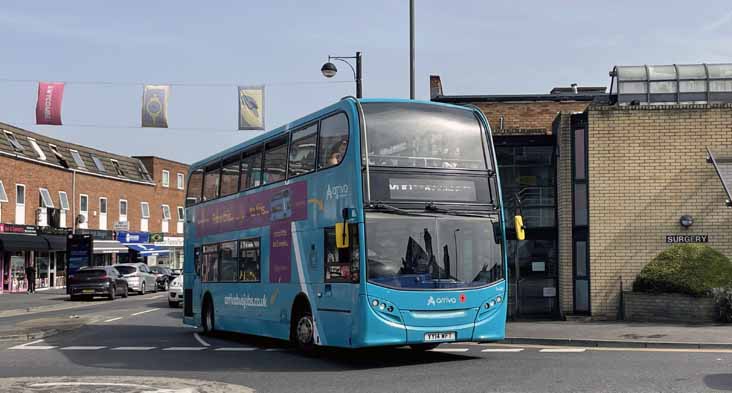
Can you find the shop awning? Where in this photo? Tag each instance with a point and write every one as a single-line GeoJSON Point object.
{"type": "Point", "coordinates": [55, 243]}
{"type": "Point", "coordinates": [723, 165]}
{"type": "Point", "coordinates": [146, 249]}
{"type": "Point", "coordinates": [15, 242]}
{"type": "Point", "coordinates": [109, 247]}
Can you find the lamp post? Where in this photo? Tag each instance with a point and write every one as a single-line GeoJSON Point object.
{"type": "Point", "coordinates": [329, 69]}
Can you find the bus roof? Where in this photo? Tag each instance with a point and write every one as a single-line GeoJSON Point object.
{"type": "Point", "coordinates": [343, 103]}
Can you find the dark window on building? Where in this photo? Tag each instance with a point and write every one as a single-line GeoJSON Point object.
{"type": "Point", "coordinates": [275, 161]}
{"type": "Point", "coordinates": [580, 204]}
{"type": "Point", "coordinates": [13, 141]}
{"type": "Point", "coordinates": [99, 164]}
{"type": "Point", "coordinates": [341, 264]}
{"type": "Point", "coordinates": [77, 159]}
{"type": "Point", "coordinates": [333, 140]}
{"type": "Point", "coordinates": [580, 258]}
{"type": "Point", "coordinates": [302, 151]}
{"type": "Point", "coordinates": [579, 154]}
{"type": "Point", "coordinates": [117, 168]}
{"type": "Point", "coordinates": [230, 176]}
{"type": "Point", "coordinates": [229, 261]}
{"type": "Point", "coordinates": [210, 271]}
{"type": "Point", "coordinates": [211, 182]}
{"type": "Point", "coordinates": [580, 214]}
{"type": "Point", "coordinates": [61, 159]}
{"type": "Point", "coordinates": [249, 260]}
{"type": "Point", "coordinates": [251, 169]}
{"type": "Point", "coordinates": [195, 184]}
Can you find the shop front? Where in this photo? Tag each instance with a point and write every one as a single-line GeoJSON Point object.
{"type": "Point", "coordinates": [23, 246]}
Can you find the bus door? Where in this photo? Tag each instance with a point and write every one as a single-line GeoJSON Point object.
{"type": "Point", "coordinates": [338, 292]}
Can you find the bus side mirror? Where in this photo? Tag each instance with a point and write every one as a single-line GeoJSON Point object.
{"type": "Point", "coordinates": [518, 223]}
{"type": "Point", "coordinates": [341, 232]}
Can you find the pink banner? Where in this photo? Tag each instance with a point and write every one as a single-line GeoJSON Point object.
{"type": "Point", "coordinates": [48, 107]}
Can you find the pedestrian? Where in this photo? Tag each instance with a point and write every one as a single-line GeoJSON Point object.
{"type": "Point", "coordinates": [30, 275]}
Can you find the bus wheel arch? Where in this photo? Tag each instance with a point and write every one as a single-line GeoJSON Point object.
{"type": "Point", "coordinates": [302, 324]}
{"type": "Point", "coordinates": [208, 322]}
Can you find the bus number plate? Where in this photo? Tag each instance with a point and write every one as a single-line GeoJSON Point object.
{"type": "Point", "coordinates": [441, 336]}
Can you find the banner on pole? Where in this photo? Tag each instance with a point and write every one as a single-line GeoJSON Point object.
{"type": "Point", "coordinates": [48, 106]}
{"type": "Point", "coordinates": [155, 106]}
{"type": "Point", "coordinates": [251, 107]}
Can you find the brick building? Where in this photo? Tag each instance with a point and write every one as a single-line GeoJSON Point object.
{"type": "Point", "coordinates": [85, 191]}
{"type": "Point", "coordinates": [605, 179]}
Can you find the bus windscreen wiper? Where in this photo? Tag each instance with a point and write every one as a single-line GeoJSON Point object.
{"type": "Point", "coordinates": [431, 207]}
{"type": "Point", "coordinates": [383, 207]}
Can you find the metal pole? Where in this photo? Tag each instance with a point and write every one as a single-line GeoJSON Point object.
{"type": "Point", "coordinates": [359, 92]}
{"type": "Point", "coordinates": [411, 49]}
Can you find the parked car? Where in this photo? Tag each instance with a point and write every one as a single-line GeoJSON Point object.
{"type": "Point", "coordinates": [175, 293]}
{"type": "Point", "coordinates": [177, 272]}
{"type": "Point", "coordinates": [163, 276]}
{"type": "Point", "coordinates": [97, 281]}
{"type": "Point", "coordinates": [138, 276]}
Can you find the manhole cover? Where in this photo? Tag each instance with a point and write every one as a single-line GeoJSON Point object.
{"type": "Point", "coordinates": [115, 384]}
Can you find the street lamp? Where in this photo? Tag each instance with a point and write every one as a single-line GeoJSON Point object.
{"type": "Point", "coordinates": [329, 69]}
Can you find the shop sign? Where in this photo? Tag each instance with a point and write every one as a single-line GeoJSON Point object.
{"type": "Point", "coordinates": [53, 231]}
{"type": "Point", "coordinates": [22, 229]}
{"type": "Point", "coordinates": [674, 239]}
{"type": "Point", "coordinates": [156, 237]}
{"type": "Point", "coordinates": [122, 226]}
{"type": "Point", "coordinates": [133, 237]}
{"type": "Point", "coordinates": [170, 242]}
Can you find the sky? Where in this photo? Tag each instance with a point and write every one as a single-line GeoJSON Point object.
{"type": "Point", "coordinates": [106, 51]}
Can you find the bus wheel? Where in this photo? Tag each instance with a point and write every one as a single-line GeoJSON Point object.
{"type": "Point", "coordinates": [304, 334]}
{"type": "Point", "coordinates": [207, 320]}
{"type": "Point", "coordinates": [423, 347]}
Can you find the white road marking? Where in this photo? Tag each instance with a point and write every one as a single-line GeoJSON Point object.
{"type": "Point", "coordinates": [82, 348]}
{"type": "Point", "coordinates": [274, 349]}
{"type": "Point", "coordinates": [31, 346]}
{"type": "Point", "coordinates": [146, 311]}
{"type": "Point", "coordinates": [113, 319]}
{"type": "Point", "coordinates": [156, 297]}
{"type": "Point", "coordinates": [563, 350]}
{"type": "Point", "coordinates": [502, 350]}
{"type": "Point", "coordinates": [450, 350]}
{"type": "Point", "coordinates": [31, 343]}
{"type": "Point", "coordinates": [235, 349]}
{"type": "Point", "coordinates": [132, 348]}
{"type": "Point", "coordinates": [200, 340]}
{"type": "Point", "coordinates": [184, 348]}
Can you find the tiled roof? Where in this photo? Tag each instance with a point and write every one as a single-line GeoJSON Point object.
{"type": "Point", "coordinates": [132, 168]}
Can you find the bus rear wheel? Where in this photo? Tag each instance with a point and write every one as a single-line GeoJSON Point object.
{"type": "Point", "coordinates": [304, 332]}
{"type": "Point", "coordinates": [207, 319]}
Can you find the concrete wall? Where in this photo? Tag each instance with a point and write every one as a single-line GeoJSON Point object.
{"type": "Point", "coordinates": [647, 168]}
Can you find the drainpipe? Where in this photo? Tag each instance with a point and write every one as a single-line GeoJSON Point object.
{"type": "Point", "coordinates": [73, 203]}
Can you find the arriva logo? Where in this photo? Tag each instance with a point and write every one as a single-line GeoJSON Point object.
{"type": "Point", "coordinates": [431, 301]}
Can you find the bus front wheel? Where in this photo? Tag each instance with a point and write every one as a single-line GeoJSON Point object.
{"type": "Point", "coordinates": [304, 331]}
{"type": "Point", "coordinates": [207, 320]}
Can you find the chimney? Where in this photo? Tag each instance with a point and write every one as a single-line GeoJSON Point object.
{"type": "Point", "coordinates": [574, 88]}
{"type": "Point", "coordinates": [435, 86]}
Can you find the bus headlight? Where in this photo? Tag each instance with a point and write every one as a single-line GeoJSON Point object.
{"type": "Point", "coordinates": [374, 302]}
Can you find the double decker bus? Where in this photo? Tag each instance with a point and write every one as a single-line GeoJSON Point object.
{"type": "Point", "coordinates": [371, 222]}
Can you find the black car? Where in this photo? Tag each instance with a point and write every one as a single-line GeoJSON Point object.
{"type": "Point", "coordinates": [97, 281]}
{"type": "Point", "coordinates": [163, 276]}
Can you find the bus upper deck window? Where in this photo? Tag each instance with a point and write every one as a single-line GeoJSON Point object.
{"type": "Point", "coordinates": [333, 140]}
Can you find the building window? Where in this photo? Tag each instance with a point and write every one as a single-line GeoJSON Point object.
{"type": "Point", "coordinates": [166, 212]}
{"type": "Point", "coordinates": [19, 194]}
{"type": "Point", "coordinates": [122, 210]}
{"type": "Point", "coordinates": [249, 260]}
{"type": "Point", "coordinates": [181, 181]}
{"type": "Point", "coordinates": [303, 150]}
{"type": "Point", "coordinates": [580, 210]}
{"type": "Point", "coordinates": [99, 164]}
{"type": "Point", "coordinates": [77, 159]}
{"type": "Point", "coordinates": [3, 195]}
{"type": "Point", "coordinates": [102, 205]}
{"type": "Point", "coordinates": [64, 199]}
{"type": "Point", "coordinates": [61, 159]}
{"type": "Point", "coordinates": [145, 209]}
{"type": "Point", "coordinates": [210, 266]}
{"type": "Point", "coordinates": [37, 148]}
{"type": "Point", "coordinates": [117, 168]}
{"type": "Point", "coordinates": [181, 213]}
{"type": "Point", "coordinates": [45, 198]}
{"type": "Point", "coordinates": [333, 140]}
{"type": "Point", "coordinates": [229, 261]}
{"type": "Point", "coordinates": [13, 141]}
{"type": "Point", "coordinates": [275, 161]}
{"type": "Point", "coordinates": [166, 178]}
{"type": "Point", "coordinates": [83, 203]}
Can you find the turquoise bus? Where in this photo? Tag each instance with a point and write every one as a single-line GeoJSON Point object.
{"type": "Point", "coordinates": [371, 222]}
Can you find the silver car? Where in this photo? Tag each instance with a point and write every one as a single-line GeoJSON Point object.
{"type": "Point", "coordinates": [175, 293]}
{"type": "Point", "coordinates": [138, 276]}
